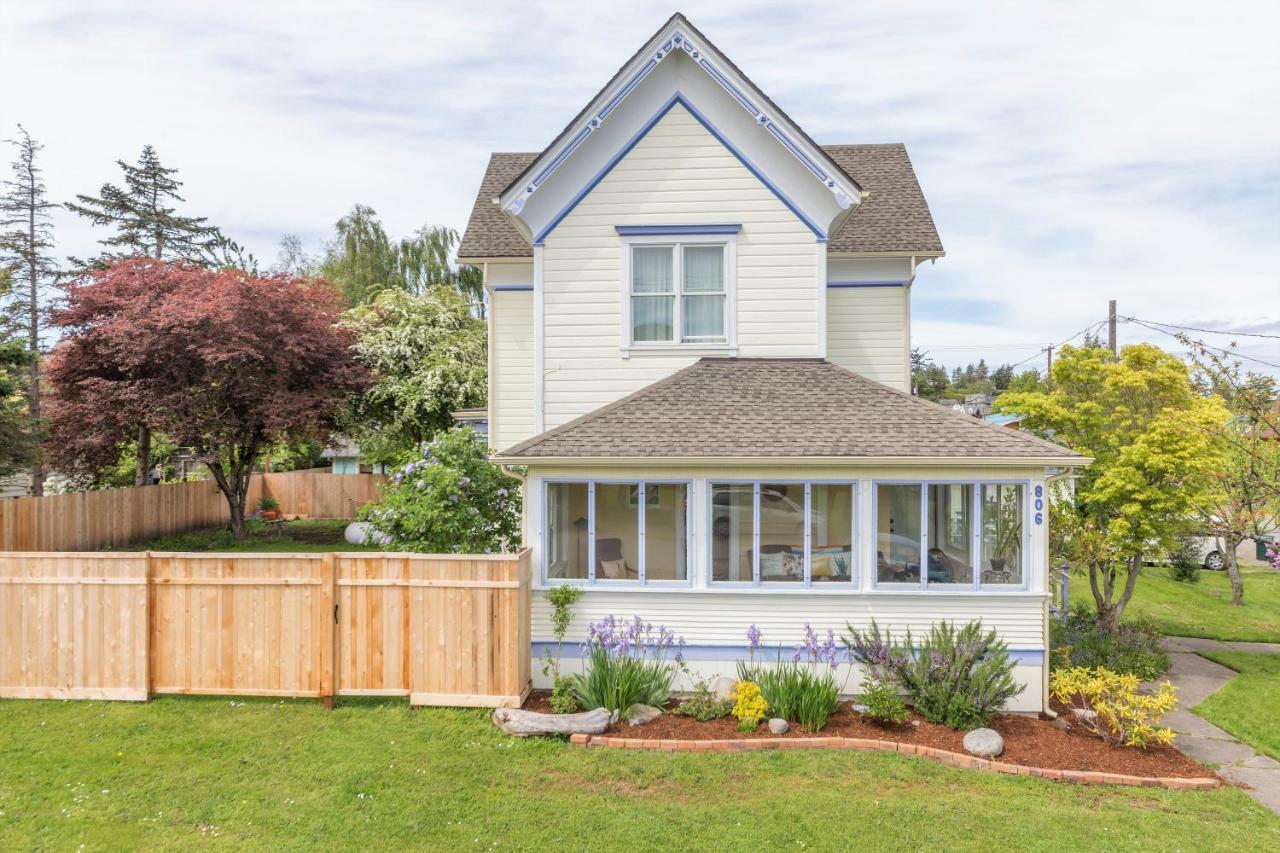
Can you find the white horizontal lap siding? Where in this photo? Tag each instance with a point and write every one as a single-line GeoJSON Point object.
{"type": "Point", "coordinates": [868, 327]}
{"type": "Point", "coordinates": [511, 409]}
{"type": "Point", "coordinates": [678, 174]}
{"type": "Point", "coordinates": [704, 618]}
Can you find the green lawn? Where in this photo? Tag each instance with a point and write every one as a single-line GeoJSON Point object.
{"type": "Point", "coordinates": [374, 775]}
{"type": "Point", "coordinates": [305, 535]}
{"type": "Point", "coordinates": [1247, 705]}
{"type": "Point", "coordinates": [1203, 609]}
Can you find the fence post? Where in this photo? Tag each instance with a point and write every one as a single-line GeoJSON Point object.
{"type": "Point", "coordinates": [149, 616]}
{"type": "Point", "coordinates": [328, 628]}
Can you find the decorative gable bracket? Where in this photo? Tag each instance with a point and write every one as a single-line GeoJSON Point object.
{"type": "Point", "coordinates": [845, 191]}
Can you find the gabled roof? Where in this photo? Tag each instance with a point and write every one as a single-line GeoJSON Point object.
{"type": "Point", "coordinates": [676, 36]}
{"type": "Point", "coordinates": [893, 215]}
{"type": "Point", "coordinates": [749, 408]}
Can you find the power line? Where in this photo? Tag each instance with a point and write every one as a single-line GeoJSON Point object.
{"type": "Point", "coordinates": [1206, 331]}
{"type": "Point", "coordinates": [1223, 350]}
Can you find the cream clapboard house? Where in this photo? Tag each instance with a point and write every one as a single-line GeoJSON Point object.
{"type": "Point", "coordinates": [700, 349]}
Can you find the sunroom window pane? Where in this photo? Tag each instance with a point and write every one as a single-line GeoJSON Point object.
{"type": "Point", "coordinates": [950, 556]}
{"type": "Point", "coordinates": [781, 533]}
{"type": "Point", "coordinates": [704, 269]}
{"type": "Point", "coordinates": [898, 533]}
{"type": "Point", "coordinates": [666, 532]}
{"type": "Point", "coordinates": [652, 269]}
{"type": "Point", "coordinates": [731, 532]}
{"type": "Point", "coordinates": [831, 533]}
{"type": "Point", "coordinates": [652, 318]}
{"type": "Point", "coordinates": [704, 318]}
{"type": "Point", "coordinates": [566, 523]}
{"type": "Point", "coordinates": [617, 532]}
{"type": "Point", "coordinates": [1002, 520]}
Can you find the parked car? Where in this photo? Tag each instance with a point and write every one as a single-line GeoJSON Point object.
{"type": "Point", "coordinates": [778, 513]}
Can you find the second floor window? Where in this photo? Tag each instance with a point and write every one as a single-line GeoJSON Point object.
{"type": "Point", "coordinates": [678, 293]}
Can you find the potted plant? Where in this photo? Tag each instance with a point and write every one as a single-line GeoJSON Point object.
{"type": "Point", "coordinates": [1006, 534]}
{"type": "Point", "coordinates": [269, 508]}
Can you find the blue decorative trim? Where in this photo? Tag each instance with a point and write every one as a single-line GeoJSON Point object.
{"type": "Point", "coordinates": [560, 158]}
{"type": "Point", "coordinates": [838, 284]}
{"type": "Point", "coordinates": [716, 652]}
{"type": "Point", "coordinates": [679, 41]}
{"type": "Point", "coordinates": [511, 288]}
{"type": "Point", "coordinates": [653, 230]}
{"type": "Point", "coordinates": [729, 87]}
{"type": "Point", "coordinates": [626, 90]}
{"type": "Point", "coordinates": [677, 98]}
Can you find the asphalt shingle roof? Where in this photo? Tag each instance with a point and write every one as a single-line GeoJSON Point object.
{"type": "Point", "coordinates": [785, 407]}
{"type": "Point", "coordinates": [893, 217]}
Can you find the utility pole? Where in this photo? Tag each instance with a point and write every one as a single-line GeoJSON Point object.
{"type": "Point", "coordinates": [1111, 329]}
{"type": "Point", "coordinates": [1049, 350]}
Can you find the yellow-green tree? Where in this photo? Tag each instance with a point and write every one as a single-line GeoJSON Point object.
{"type": "Point", "coordinates": [1153, 438]}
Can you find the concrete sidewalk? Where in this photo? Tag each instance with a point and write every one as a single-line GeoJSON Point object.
{"type": "Point", "coordinates": [1196, 678]}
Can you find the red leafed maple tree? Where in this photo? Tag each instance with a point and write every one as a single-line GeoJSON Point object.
{"type": "Point", "coordinates": [219, 360]}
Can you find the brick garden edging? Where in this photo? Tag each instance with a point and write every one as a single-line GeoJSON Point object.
{"type": "Point", "coordinates": [955, 759]}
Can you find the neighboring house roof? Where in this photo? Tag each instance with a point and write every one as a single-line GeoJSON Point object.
{"type": "Point", "coordinates": [1003, 420]}
{"type": "Point", "coordinates": [341, 447]}
{"type": "Point", "coordinates": [735, 408]}
{"type": "Point", "coordinates": [893, 216]}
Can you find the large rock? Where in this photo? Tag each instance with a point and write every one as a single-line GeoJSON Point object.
{"type": "Point", "coordinates": [521, 723]}
{"type": "Point", "coordinates": [985, 743]}
{"type": "Point", "coordinates": [362, 533]}
{"type": "Point", "coordinates": [638, 714]}
{"type": "Point", "coordinates": [778, 726]}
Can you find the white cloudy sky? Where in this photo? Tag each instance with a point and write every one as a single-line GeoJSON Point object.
{"type": "Point", "coordinates": [1071, 152]}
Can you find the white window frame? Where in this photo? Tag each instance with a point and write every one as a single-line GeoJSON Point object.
{"type": "Point", "coordinates": [641, 521]}
{"type": "Point", "coordinates": [975, 539]}
{"type": "Point", "coordinates": [676, 244]}
{"type": "Point", "coordinates": [852, 585]}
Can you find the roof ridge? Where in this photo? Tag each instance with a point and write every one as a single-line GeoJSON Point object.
{"type": "Point", "coordinates": [1016, 434]}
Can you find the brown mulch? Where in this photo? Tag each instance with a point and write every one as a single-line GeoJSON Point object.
{"type": "Point", "coordinates": [1028, 740]}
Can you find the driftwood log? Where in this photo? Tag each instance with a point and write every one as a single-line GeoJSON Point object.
{"type": "Point", "coordinates": [520, 723]}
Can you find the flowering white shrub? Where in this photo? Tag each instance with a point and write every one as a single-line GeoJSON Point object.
{"type": "Point", "coordinates": [450, 499]}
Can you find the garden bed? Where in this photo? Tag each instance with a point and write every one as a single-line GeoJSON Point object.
{"type": "Point", "coordinates": [1031, 742]}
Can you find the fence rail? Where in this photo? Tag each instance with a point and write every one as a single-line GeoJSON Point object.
{"type": "Point", "coordinates": [117, 518]}
{"type": "Point", "coordinates": [440, 629]}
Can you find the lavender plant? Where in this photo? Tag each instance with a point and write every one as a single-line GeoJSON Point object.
{"type": "Point", "coordinates": [959, 678]}
{"type": "Point", "coordinates": [628, 663]}
{"type": "Point", "coordinates": [804, 689]}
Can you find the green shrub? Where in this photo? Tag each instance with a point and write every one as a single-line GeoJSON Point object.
{"type": "Point", "coordinates": [884, 705]}
{"type": "Point", "coordinates": [803, 690]}
{"type": "Point", "coordinates": [1184, 563]}
{"type": "Point", "coordinates": [703, 705]}
{"type": "Point", "coordinates": [626, 664]}
{"type": "Point", "coordinates": [562, 699]}
{"type": "Point", "coordinates": [1135, 648]}
{"type": "Point", "coordinates": [959, 678]}
{"type": "Point", "coordinates": [450, 499]}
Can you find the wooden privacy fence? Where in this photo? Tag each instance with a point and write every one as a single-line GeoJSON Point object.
{"type": "Point", "coordinates": [442, 630]}
{"type": "Point", "coordinates": [116, 518]}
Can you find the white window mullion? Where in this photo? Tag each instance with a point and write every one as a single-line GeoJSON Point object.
{"type": "Point", "coordinates": [677, 288]}
{"type": "Point", "coordinates": [808, 534]}
{"type": "Point", "coordinates": [591, 532]}
{"type": "Point", "coordinates": [643, 509]}
{"type": "Point", "coordinates": [975, 537]}
{"type": "Point", "coordinates": [755, 534]}
{"type": "Point", "coordinates": [924, 535]}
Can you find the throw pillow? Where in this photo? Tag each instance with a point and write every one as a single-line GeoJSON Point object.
{"type": "Point", "coordinates": [614, 568]}
{"type": "Point", "coordinates": [773, 565]}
